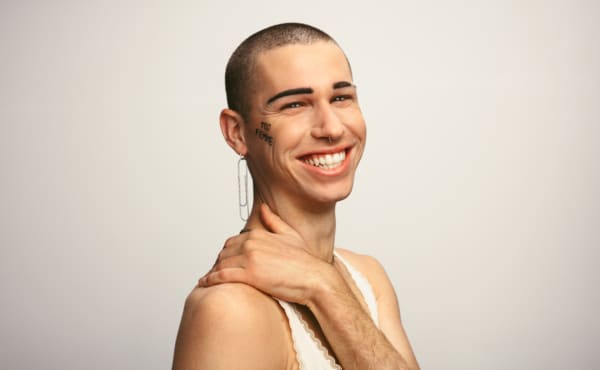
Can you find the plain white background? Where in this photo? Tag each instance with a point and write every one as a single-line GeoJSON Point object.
{"type": "Point", "coordinates": [478, 190]}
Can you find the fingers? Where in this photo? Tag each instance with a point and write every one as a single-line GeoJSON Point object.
{"type": "Point", "coordinates": [273, 222]}
{"type": "Point", "coordinates": [239, 244]}
{"type": "Point", "coordinates": [236, 261]}
{"type": "Point", "coordinates": [229, 275]}
{"type": "Point", "coordinates": [227, 269]}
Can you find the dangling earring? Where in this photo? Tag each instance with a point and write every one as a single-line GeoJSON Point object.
{"type": "Point", "coordinates": [242, 169]}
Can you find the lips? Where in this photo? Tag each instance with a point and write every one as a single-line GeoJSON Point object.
{"type": "Point", "coordinates": [325, 161]}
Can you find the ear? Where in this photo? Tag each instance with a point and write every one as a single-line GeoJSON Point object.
{"type": "Point", "coordinates": [232, 129]}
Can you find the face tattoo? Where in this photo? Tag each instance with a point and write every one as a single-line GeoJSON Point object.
{"type": "Point", "coordinates": [262, 133]}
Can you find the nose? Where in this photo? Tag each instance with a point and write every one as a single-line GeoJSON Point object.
{"type": "Point", "coordinates": [328, 124]}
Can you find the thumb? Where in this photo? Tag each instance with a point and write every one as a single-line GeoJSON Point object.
{"type": "Point", "coordinates": [273, 222]}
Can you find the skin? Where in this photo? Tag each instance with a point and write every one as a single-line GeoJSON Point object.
{"type": "Point", "coordinates": [306, 98]}
{"type": "Point", "coordinates": [262, 133]}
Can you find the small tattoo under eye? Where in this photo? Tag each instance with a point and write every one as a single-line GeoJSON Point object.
{"type": "Point", "coordinates": [262, 134]}
{"type": "Point", "coordinates": [265, 126]}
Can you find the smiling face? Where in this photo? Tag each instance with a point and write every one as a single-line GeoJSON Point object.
{"type": "Point", "coordinates": [305, 133]}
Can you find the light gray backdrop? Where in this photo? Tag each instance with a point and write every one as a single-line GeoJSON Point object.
{"type": "Point", "coordinates": [478, 190]}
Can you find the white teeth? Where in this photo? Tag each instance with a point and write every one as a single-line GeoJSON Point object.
{"type": "Point", "coordinates": [327, 161]}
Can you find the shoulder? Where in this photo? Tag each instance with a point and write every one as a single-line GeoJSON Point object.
{"type": "Point", "coordinates": [369, 267]}
{"type": "Point", "coordinates": [359, 260]}
{"type": "Point", "coordinates": [230, 326]}
{"type": "Point", "coordinates": [231, 298]}
{"type": "Point", "coordinates": [374, 272]}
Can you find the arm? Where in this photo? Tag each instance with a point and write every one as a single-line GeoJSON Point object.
{"type": "Point", "coordinates": [230, 326]}
{"type": "Point", "coordinates": [276, 263]}
{"type": "Point", "coordinates": [350, 329]}
{"type": "Point", "coordinates": [389, 311]}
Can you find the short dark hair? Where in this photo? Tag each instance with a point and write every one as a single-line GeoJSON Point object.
{"type": "Point", "coordinates": [239, 73]}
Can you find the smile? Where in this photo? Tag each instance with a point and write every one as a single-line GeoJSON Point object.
{"type": "Point", "coordinates": [326, 161]}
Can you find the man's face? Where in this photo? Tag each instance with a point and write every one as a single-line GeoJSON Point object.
{"type": "Point", "coordinates": [306, 133]}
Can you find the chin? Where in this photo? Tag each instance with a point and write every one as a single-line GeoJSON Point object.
{"type": "Point", "coordinates": [331, 195]}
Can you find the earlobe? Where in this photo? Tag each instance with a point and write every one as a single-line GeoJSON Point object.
{"type": "Point", "coordinates": [231, 126]}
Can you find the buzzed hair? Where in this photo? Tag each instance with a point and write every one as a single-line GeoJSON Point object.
{"type": "Point", "coordinates": [241, 66]}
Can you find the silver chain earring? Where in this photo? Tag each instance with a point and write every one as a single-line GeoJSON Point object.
{"type": "Point", "coordinates": [242, 169]}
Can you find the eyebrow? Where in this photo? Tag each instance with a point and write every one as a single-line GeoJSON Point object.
{"type": "Point", "coordinates": [342, 84]}
{"type": "Point", "coordinates": [297, 91]}
{"type": "Point", "coordinates": [305, 90]}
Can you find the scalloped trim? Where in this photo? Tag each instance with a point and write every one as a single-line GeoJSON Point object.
{"type": "Point", "coordinates": [316, 340]}
{"type": "Point", "coordinates": [290, 309]}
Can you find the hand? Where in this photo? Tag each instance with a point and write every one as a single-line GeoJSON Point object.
{"type": "Point", "coordinates": [275, 261]}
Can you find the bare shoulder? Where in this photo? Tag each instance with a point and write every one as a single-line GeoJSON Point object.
{"type": "Point", "coordinates": [230, 326]}
{"type": "Point", "coordinates": [368, 266]}
{"type": "Point", "coordinates": [359, 260]}
{"type": "Point", "coordinates": [232, 299]}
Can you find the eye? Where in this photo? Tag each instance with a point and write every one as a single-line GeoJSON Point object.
{"type": "Point", "coordinates": [293, 105]}
{"type": "Point", "coordinates": [342, 98]}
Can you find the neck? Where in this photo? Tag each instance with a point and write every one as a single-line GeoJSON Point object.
{"type": "Point", "coordinates": [316, 225]}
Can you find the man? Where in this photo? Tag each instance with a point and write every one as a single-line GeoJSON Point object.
{"type": "Point", "coordinates": [280, 296]}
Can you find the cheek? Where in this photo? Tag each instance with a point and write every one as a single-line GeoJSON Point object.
{"type": "Point", "coordinates": [356, 123]}
{"type": "Point", "coordinates": [361, 126]}
{"type": "Point", "coordinates": [289, 133]}
{"type": "Point", "coordinates": [263, 133]}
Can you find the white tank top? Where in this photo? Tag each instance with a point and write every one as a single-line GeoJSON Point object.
{"type": "Point", "coordinates": [310, 352]}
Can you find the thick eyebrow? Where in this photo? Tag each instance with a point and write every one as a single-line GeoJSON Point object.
{"type": "Point", "coordinates": [342, 84]}
{"type": "Point", "coordinates": [305, 90]}
{"type": "Point", "coordinates": [297, 91]}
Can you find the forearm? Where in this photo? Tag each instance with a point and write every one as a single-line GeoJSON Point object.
{"type": "Point", "coordinates": [354, 337]}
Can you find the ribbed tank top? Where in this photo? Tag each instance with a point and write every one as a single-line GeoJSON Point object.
{"type": "Point", "coordinates": [310, 352]}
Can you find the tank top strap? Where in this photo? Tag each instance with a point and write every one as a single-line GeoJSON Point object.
{"type": "Point", "coordinates": [311, 354]}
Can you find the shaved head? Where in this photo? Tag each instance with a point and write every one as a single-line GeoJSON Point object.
{"type": "Point", "coordinates": [240, 71]}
